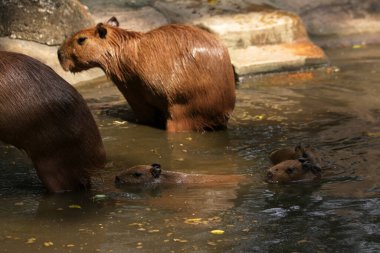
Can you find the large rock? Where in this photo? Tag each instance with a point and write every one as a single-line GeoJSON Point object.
{"type": "Point", "coordinates": [338, 22]}
{"type": "Point", "coordinates": [43, 21]}
{"type": "Point", "coordinates": [132, 15]}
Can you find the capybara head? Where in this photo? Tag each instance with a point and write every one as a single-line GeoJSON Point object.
{"type": "Point", "coordinates": [141, 174]}
{"type": "Point", "coordinates": [292, 170]}
{"type": "Point", "coordinates": [87, 48]}
{"type": "Point", "coordinates": [294, 164]}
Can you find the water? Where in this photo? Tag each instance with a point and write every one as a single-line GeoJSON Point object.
{"type": "Point", "coordinates": [335, 109]}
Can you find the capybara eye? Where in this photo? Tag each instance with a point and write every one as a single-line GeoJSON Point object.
{"type": "Point", "coordinates": [289, 170]}
{"type": "Point", "coordinates": [81, 40]}
{"type": "Point", "coordinates": [137, 174]}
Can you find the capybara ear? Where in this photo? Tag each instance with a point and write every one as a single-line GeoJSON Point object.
{"type": "Point", "coordinates": [113, 22]}
{"type": "Point", "coordinates": [155, 170]}
{"type": "Point", "coordinates": [281, 155]}
{"type": "Point", "coordinates": [101, 30]}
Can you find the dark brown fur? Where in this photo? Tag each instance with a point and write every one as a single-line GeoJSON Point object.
{"type": "Point", "coordinates": [176, 76]}
{"type": "Point", "coordinates": [294, 164]}
{"type": "Point", "coordinates": [46, 117]}
{"type": "Point", "coordinates": [153, 174]}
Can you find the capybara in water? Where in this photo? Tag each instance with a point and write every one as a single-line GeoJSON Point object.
{"type": "Point", "coordinates": [294, 164]}
{"type": "Point", "coordinates": [153, 174]}
{"type": "Point", "coordinates": [46, 117]}
{"type": "Point", "coordinates": [177, 77]}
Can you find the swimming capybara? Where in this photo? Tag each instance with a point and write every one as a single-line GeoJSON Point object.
{"type": "Point", "coordinates": [294, 164]}
{"type": "Point", "coordinates": [46, 117]}
{"type": "Point", "coordinates": [146, 175]}
{"type": "Point", "coordinates": [177, 77]}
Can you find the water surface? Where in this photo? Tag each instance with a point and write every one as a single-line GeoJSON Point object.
{"type": "Point", "coordinates": [336, 110]}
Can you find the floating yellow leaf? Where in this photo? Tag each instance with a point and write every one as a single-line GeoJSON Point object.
{"type": "Point", "coordinates": [31, 240]}
{"type": "Point", "coordinates": [194, 221]}
{"type": "Point", "coordinates": [217, 232]}
{"type": "Point", "coordinates": [302, 241]}
{"type": "Point", "coordinates": [357, 46]}
{"type": "Point", "coordinates": [75, 206]}
{"type": "Point", "coordinates": [48, 244]}
{"type": "Point", "coordinates": [154, 231]}
{"type": "Point", "coordinates": [70, 245]}
{"type": "Point", "coordinates": [179, 240]}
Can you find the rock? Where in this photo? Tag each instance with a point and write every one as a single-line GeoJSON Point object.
{"type": "Point", "coordinates": [43, 21]}
{"type": "Point", "coordinates": [141, 19]}
{"type": "Point", "coordinates": [259, 38]}
{"type": "Point", "coordinates": [254, 28]}
{"type": "Point", "coordinates": [47, 55]}
{"type": "Point", "coordinates": [338, 22]}
{"type": "Point", "coordinates": [279, 57]}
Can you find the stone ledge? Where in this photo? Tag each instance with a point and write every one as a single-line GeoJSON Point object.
{"type": "Point", "coordinates": [280, 57]}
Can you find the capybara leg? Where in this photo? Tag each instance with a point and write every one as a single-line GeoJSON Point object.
{"type": "Point", "coordinates": [59, 179]}
{"type": "Point", "coordinates": [182, 125]}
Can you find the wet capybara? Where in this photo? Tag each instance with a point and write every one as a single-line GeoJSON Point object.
{"type": "Point", "coordinates": [46, 117]}
{"type": "Point", "coordinates": [177, 77]}
{"type": "Point", "coordinates": [294, 164]}
{"type": "Point", "coordinates": [154, 174]}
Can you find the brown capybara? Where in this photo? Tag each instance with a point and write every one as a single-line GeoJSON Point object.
{"type": "Point", "coordinates": [46, 117]}
{"type": "Point", "coordinates": [177, 77]}
{"type": "Point", "coordinates": [294, 164]}
{"type": "Point", "coordinates": [153, 174]}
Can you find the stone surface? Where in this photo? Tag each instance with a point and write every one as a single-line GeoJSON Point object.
{"type": "Point", "coordinates": [254, 28]}
{"type": "Point", "coordinates": [43, 21]}
{"type": "Point", "coordinates": [279, 57]}
{"type": "Point", "coordinates": [338, 22]}
{"type": "Point", "coordinates": [47, 55]}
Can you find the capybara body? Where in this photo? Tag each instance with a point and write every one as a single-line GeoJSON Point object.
{"type": "Point", "coordinates": [177, 77]}
{"type": "Point", "coordinates": [46, 117]}
{"type": "Point", "coordinates": [302, 162]}
{"type": "Point", "coordinates": [153, 174]}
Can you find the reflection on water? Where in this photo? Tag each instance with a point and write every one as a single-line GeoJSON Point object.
{"type": "Point", "coordinates": [337, 110]}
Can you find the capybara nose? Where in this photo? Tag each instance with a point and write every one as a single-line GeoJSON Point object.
{"type": "Point", "coordinates": [269, 175]}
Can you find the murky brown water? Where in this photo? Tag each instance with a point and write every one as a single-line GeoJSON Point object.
{"type": "Point", "coordinates": [337, 112]}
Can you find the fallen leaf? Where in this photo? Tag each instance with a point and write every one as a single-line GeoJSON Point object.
{"type": "Point", "coordinates": [179, 240]}
{"type": "Point", "coordinates": [48, 244]}
{"type": "Point", "coordinates": [217, 232]}
{"type": "Point", "coordinates": [75, 207]}
{"type": "Point", "coordinates": [31, 240]}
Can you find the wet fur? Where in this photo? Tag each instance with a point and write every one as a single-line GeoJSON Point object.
{"type": "Point", "coordinates": [176, 77]}
{"type": "Point", "coordinates": [46, 117]}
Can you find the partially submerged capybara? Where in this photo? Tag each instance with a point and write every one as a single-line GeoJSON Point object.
{"type": "Point", "coordinates": [46, 117]}
{"type": "Point", "coordinates": [154, 174]}
{"type": "Point", "coordinates": [294, 164]}
{"type": "Point", "coordinates": [177, 77]}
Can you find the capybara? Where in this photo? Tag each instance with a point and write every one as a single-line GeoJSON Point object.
{"type": "Point", "coordinates": [46, 117]}
{"type": "Point", "coordinates": [177, 77]}
{"type": "Point", "coordinates": [294, 164]}
{"type": "Point", "coordinates": [153, 174]}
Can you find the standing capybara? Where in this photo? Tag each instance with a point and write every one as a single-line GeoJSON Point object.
{"type": "Point", "coordinates": [46, 117]}
{"type": "Point", "coordinates": [294, 164]}
{"type": "Point", "coordinates": [176, 76]}
{"type": "Point", "coordinates": [146, 175]}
